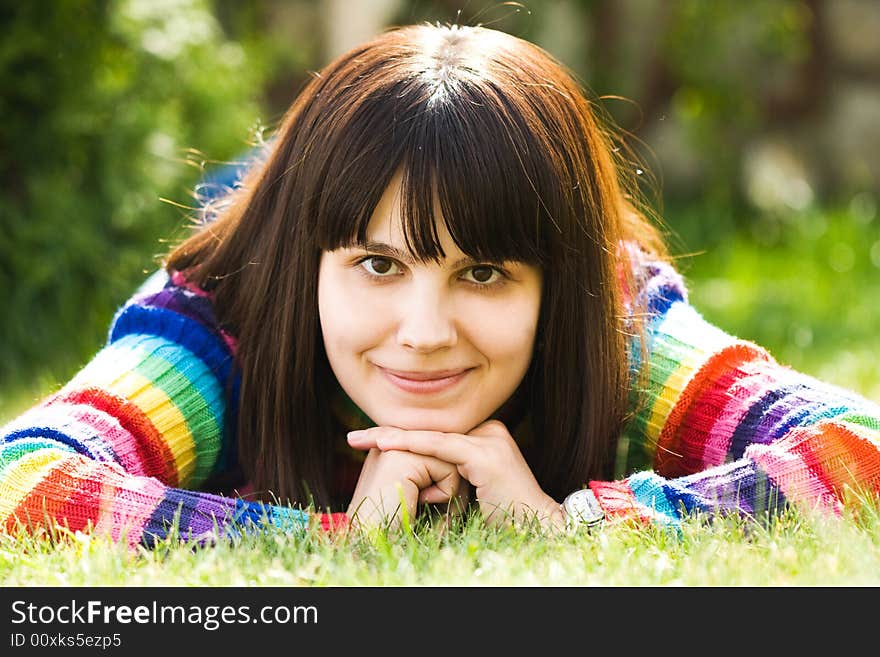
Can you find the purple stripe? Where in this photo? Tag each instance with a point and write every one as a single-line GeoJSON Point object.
{"type": "Point", "coordinates": [800, 403]}
{"type": "Point", "coordinates": [197, 515]}
{"type": "Point", "coordinates": [759, 424]}
{"type": "Point", "coordinates": [737, 486]}
{"type": "Point", "coordinates": [746, 432]}
{"type": "Point", "coordinates": [727, 487]}
{"type": "Point", "coordinates": [183, 302]}
{"type": "Point", "coordinates": [787, 401]}
{"type": "Point", "coordinates": [663, 287]}
{"type": "Point", "coordinates": [211, 511]}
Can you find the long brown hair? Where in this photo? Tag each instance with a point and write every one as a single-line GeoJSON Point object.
{"type": "Point", "coordinates": [500, 133]}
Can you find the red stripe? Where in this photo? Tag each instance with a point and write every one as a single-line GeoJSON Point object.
{"type": "Point", "coordinates": [682, 441]}
{"type": "Point", "coordinates": [839, 456]}
{"type": "Point", "coordinates": [618, 501]}
{"type": "Point", "coordinates": [333, 521]}
{"type": "Point", "coordinates": [152, 450]}
{"type": "Point", "coordinates": [84, 504]}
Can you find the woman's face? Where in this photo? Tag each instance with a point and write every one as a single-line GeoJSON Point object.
{"type": "Point", "coordinates": [387, 320]}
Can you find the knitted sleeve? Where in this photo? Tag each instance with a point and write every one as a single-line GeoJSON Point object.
{"type": "Point", "coordinates": [123, 447]}
{"type": "Point", "coordinates": [723, 427]}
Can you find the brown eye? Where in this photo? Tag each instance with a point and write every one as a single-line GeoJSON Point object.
{"type": "Point", "coordinates": [379, 265]}
{"type": "Point", "coordinates": [482, 274]}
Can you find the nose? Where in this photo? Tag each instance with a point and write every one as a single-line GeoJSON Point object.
{"type": "Point", "coordinates": [426, 320]}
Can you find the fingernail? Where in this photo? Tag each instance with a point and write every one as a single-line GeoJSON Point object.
{"type": "Point", "coordinates": [354, 435]}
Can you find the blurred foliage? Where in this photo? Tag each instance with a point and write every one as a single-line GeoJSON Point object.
{"type": "Point", "coordinates": [101, 107]}
{"type": "Point", "coordinates": [708, 56]}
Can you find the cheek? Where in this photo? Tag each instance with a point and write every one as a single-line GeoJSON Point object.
{"type": "Point", "coordinates": [505, 334]}
{"type": "Point", "coordinates": [348, 324]}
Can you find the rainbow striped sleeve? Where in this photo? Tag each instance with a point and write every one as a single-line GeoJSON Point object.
{"type": "Point", "coordinates": [124, 446]}
{"type": "Point", "coordinates": [724, 428]}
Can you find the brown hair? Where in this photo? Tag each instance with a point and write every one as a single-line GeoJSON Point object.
{"type": "Point", "coordinates": [500, 133]}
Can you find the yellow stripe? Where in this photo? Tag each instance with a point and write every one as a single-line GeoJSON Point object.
{"type": "Point", "coordinates": [114, 369]}
{"type": "Point", "coordinates": [23, 475]}
{"type": "Point", "coordinates": [118, 377]}
{"type": "Point", "coordinates": [165, 416]}
{"type": "Point", "coordinates": [698, 340]}
{"type": "Point", "coordinates": [672, 388]}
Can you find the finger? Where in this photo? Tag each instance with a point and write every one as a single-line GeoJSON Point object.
{"type": "Point", "coordinates": [367, 438]}
{"type": "Point", "coordinates": [456, 503]}
{"type": "Point", "coordinates": [449, 447]}
{"type": "Point", "coordinates": [443, 475]}
{"type": "Point", "coordinates": [490, 429]}
{"type": "Point", "coordinates": [362, 439]}
{"type": "Point", "coordinates": [433, 494]}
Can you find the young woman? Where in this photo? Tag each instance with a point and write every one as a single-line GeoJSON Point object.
{"type": "Point", "coordinates": [441, 254]}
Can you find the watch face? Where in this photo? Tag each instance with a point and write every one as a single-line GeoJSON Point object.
{"type": "Point", "coordinates": [582, 507]}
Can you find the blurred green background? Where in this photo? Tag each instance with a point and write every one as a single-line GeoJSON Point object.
{"type": "Point", "coordinates": [756, 125]}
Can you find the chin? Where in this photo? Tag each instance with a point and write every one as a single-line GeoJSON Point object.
{"type": "Point", "coordinates": [430, 421]}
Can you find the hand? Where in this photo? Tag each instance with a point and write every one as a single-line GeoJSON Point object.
{"type": "Point", "coordinates": [487, 457]}
{"type": "Point", "coordinates": [389, 479]}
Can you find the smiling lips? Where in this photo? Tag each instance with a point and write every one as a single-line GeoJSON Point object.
{"type": "Point", "coordinates": [425, 382]}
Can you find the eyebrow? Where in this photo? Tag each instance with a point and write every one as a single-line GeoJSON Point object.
{"type": "Point", "coordinates": [393, 252]}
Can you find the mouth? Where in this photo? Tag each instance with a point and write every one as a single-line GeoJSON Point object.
{"type": "Point", "coordinates": [425, 382]}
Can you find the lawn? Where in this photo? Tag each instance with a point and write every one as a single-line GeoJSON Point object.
{"type": "Point", "coordinates": [795, 549]}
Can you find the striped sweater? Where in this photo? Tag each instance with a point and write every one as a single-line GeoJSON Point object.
{"type": "Point", "coordinates": [130, 445]}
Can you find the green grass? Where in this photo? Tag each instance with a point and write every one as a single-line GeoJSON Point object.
{"type": "Point", "coordinates": [804, 287]}
{"type": "Point", "coordinates": [793, 550]}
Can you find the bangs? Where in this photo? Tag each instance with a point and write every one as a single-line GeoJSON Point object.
{"type": "Point", "coordinates": [469, 155]}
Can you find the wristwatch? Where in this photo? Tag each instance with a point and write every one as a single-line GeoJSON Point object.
{"type": "Point", "coordinates": [582, 508]}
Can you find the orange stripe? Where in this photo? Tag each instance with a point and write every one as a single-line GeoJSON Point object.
{"type": "Point", "coordinates": [70, 477]}
{"type": "Point", "coordinates": [841, 457]}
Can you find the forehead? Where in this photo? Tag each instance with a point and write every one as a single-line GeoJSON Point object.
{"type": "Point", "coordinates": [386, 222]}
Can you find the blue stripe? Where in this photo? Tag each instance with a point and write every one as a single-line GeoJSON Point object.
{"type": "Point", "coordinates": [746, 430]}
{"type": "Point", "coordinates": [12, 450]}
{"type": "Point", "coordinates": [649, 490]}
{"type": "Point", "coordinates": [161, 520]}
{"type": "Point", "coordinates": [134, 320]}
{"type": "Point", "coordinates": [749, 429]}
{"type": "Point", "coordinates": [208, 346]}
{"type": "Point", "coordinates": [103, 454]}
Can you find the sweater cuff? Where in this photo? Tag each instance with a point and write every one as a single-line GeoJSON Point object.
{"type": "Point", "coordinates": [291, 519]}
{"type": "Point", "coordinates": [638, 499]}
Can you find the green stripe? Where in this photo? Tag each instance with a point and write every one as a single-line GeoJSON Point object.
{"type": "Point", "coordinates": [859, 417]}
{"type": "Point", "coordinates": [202, 412]}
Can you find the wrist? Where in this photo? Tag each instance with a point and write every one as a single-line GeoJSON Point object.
{"type": "Point", "coordinates": [552, 515]}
